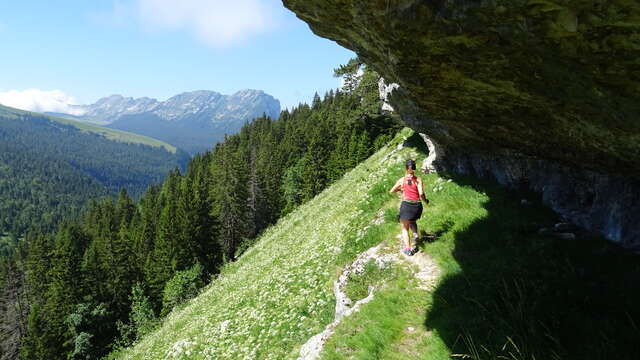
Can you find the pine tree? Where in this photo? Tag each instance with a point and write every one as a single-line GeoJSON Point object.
{"type": "Point", "coordinates": [338, 161]}
{"type": "Point", "coordinates": [349, 73]}
{"type": "Point", "coordinates": [38, 265]}
{"type": "Point", "coordinates": [293, 185]}
{"type": "Point", "coordinates": [199, 230]}
{"type": "Point", "coordinates": [316, 102]}
{"type": "Point", "coordinates": [363, 147]}
{"type": "Point", "coordinates": [229, 197]}
{"type": "Point", "coordinates": [144, 233]}
{"type": "Point", "coordinates": [48, 336]}
{"type": "Point", "coordinates": [14, 308]}
{"type": "Point", "coordinates": [162, 263]}
{"type": "Point", "coordinates": [125, 208]}
{"type": "Point", "coordinates": [255, 200]}
{"type": "Point", "coordinates": [38, 279]}
{"type": "Point", "coordinates": [353, 149]}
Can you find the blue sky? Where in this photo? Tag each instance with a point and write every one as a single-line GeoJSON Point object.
{"type": "Point", "coordinates": [74, 51]}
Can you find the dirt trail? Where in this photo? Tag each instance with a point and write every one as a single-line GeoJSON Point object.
{"type": "Point", "coordinates": [425, 270]}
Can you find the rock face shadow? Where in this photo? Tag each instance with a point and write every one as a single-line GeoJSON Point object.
{"type": "Point", "coordinates": [426, 238]}
{"type": "Point", "coordinates": [519, 293]}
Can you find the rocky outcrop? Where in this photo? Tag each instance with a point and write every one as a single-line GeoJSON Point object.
{"type": "Point", "coordinates": [527, 91]}
{"type": "Point", "coordinates": [385, 91]}
{"type": "Point", "coordinates": [608, 204]}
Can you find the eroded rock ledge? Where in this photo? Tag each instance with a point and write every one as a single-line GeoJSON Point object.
{"type": "Point", "coordinates": [542, 92]}
{"type": "Point", "coordinates": [607, 204]}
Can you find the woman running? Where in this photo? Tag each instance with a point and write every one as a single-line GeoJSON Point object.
{"type": "Point", "coordinates": [411, 206]}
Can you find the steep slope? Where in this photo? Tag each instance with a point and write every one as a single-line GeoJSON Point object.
{"type": "Point", "coordinates": [277, 294]}
{"type": "Point", "coordinates": [50, 166]}
{"type": "Point", "coordinates": [538, 94]}
{"type": "Point", "coordinates": [280, 293]}
{"type": "Point", "coordinates": [193, 121]}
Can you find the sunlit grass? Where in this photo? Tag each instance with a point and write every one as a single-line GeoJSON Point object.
{"type": "Point", "coordinates": [393, 325]}
{"type": "Point", "coordinates": [505, 292]}
{"type": "Point", "coordinates": [379, 330]}
{"type": "Point", "coordinates": [279, 293]}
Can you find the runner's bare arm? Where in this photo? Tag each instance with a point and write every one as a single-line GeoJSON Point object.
{"type": "Point", "coordinates": [397, 187]}
{"type": "Point", "coordinates": [421, 191]}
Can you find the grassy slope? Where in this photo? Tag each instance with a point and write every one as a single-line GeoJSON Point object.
{"type": "Point", "coordinates": [111, 134]}
{"type": "Point", "coordinates": [505, 291]}
{"type": "Point", "coordinates": [278, 293]}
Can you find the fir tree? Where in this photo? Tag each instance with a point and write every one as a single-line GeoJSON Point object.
{"type": "Point", "coordinates": [162, 262]}
{"type": "Point", "coordinates": [48, 336]}
{"type": "Point", "coordinates": [229, 197]}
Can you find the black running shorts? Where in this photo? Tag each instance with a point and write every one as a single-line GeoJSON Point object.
{"type": "Point", "coordinates": [410, 211]}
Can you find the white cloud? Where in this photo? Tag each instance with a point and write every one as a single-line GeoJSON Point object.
{"type": "Point", "coordinates": [40, 101]}
{"type": "Point", "coordinates": [219, 23]}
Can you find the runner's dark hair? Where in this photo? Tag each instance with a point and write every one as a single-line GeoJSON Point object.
{"type": "Point", "coordinates": [410, 164]}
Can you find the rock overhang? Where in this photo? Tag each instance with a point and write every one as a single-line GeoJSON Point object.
{"type": "Point", "coordinates": [557, 80]}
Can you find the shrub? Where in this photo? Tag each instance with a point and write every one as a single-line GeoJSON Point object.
{"type": "Point", "coordinates": [183, 286]}
{"type": "Point", "coordinates": [142, 317]}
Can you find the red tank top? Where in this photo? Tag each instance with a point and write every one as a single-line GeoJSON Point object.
{"type": "Point", "coordinates": [410, 188]}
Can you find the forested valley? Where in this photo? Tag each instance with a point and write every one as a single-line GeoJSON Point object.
{"type": "Point", "coordinates": [108, 276]}
{"type": "Point", "coordinates": [49, 169]}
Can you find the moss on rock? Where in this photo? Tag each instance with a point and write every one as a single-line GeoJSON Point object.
{"type": "Point", "coordinates": [556, 79]}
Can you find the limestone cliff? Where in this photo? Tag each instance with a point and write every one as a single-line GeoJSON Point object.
{"type": "Point", "coordinates": [536, 92]}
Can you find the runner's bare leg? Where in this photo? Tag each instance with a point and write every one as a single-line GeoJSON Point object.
{"type": "Point", "coordinates": [406, 240]}
{"type": "Point", "coordinates": [414, 228]}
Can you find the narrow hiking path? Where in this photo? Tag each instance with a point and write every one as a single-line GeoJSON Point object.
{"type": "Point", "coordinates": [280, 292]}
{"type": "Point", "coordinates": [427, 272]}
{"type": "Point", "coordinates": [422, 266]}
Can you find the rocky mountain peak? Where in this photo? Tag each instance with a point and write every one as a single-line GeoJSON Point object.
{"type": "Point", "coordinates": [204, 104]}
{"type": "Point", "coordinates": [193, 120]}
{"type": "Point", "coordinates": [248, 93]}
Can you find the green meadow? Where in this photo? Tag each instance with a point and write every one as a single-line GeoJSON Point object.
{"type": "Point", "coordinates": [505, 292]}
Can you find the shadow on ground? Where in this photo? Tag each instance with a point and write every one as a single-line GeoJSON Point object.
{"type": "Point", "coordinates": [519, 295]}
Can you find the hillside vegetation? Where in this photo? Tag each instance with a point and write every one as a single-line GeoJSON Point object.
{"type": "Point", "coordinates": [505, 291]}
{"type": "Point", "coordinates": [111, 134]}
{"type": "Point", "coordinates": [108, 276]}
{"type": "Point", "coordinates": [49, 167]}
{"type": "Point", "coordinates": [118, 135]}
{"type": "Point", "coordinates": [279, 292]}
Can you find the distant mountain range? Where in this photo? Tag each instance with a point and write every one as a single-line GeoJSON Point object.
{"type": "Point", "coordinates": [193, 121]}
